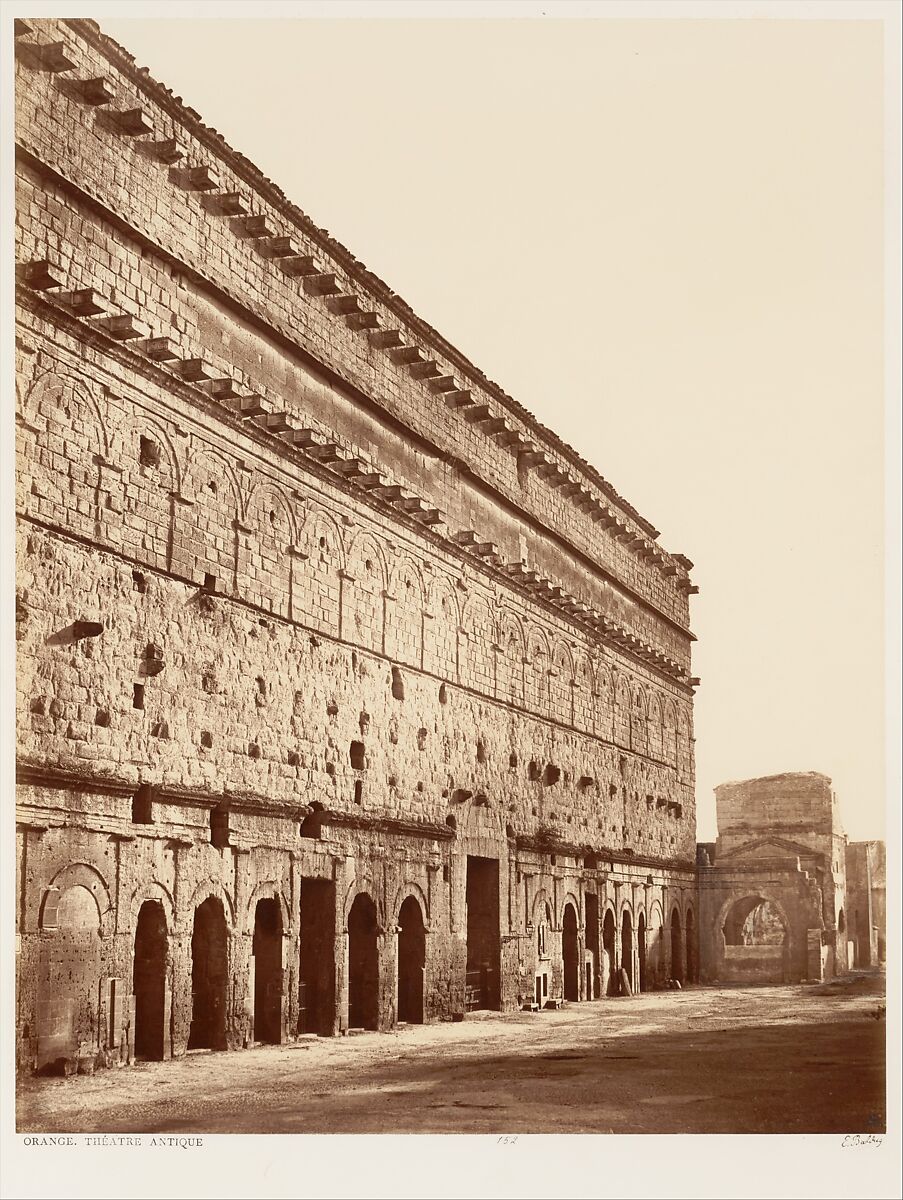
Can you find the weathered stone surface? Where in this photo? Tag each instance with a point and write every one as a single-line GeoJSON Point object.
{"type": "Point", "coordinates": [294, 755]}
{"type": "Point", "coordinates": [774, 894]}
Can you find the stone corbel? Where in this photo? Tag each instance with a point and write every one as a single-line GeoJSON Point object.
{"type": "Point", "coordinates": [23, 423]}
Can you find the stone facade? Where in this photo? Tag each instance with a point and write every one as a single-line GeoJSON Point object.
{"type": "Point", "coordinates": [866, 903]}
{"type": "Point", "coordinates": [347, 693]}
{"type": "Point", "coordinates": [772, 889]}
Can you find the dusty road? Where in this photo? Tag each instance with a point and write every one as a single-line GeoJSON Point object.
{"type": "Point", "coordinates": [769, 1060]}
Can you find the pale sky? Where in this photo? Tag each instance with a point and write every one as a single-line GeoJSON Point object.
{"type": "Point", "coordinates": [664, 238]}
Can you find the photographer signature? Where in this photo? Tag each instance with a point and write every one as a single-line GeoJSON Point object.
{"type": "Point", "coordinates": [861, 1139]}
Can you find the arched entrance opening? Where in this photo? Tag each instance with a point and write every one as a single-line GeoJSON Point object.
{"type": "Point", "coordinates": [209, 977]}
{"type": "Point", "coordinates": [655, 950]}
{"type": "Point", "coordinates": [608, 945]}
{"type": "Point", "coordinates": [756, 942]}
{"type": "Point", "coordinates": [641, 950]}
{"type": "Point", "coordinates": [627, 947]}
{"type": "Point", "coordinates": [592, 946]}
{"type": "Point", "coordinates": [317, 973]}
{"type": "Point", "coordinates": [482, 982]}
{"type": "Point", "coordinates": [268, 972]}
{"type": "Point", "coordinates": [411, 962]}
{"type": "Point", "coordinates": [569, 954]}
{"type": "Point", "coordinates": [843, 949]}
{"type": "Point", "coordinates": [71, 974]}
{"type": "Point", "coordinates": [691, 947]}
{"type": "Point", "coordinates": [677, 953]}
{"type": "Point", "coordinates": [149, 981]}
{"type": "Point", "coordinates": [363, 965]}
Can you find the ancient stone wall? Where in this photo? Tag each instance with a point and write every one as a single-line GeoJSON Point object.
{"type": "Point", "coordinates": [779, 863]}
{"type": "Point", "coordinates": [324, 644]}
{"type": "Point", "coordinates": [865, 910]}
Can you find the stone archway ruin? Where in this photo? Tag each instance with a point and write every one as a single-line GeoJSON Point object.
{"type": "Point", "coordinates": [677, 956]}
{"type": "Point", "coordinates": [267, 951]}
{"type": "Point", "coordinates": [209, 977]}
{"type": "Point", "coordinates": [149, 981]}
{"type": "Point", "coordinates": [569, 953]}
{"type": "Point", "coordinates": [363, 964]}
{"type": "Point", "coordinates": [755, 941]}
{"type": "Point", "coordinates": [411, 962]}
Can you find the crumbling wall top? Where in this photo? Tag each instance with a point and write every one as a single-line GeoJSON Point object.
{"type": "Point", "coordinates": [791, 800]}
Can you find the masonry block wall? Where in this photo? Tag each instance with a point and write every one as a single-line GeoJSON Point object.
{"type": "Point", "coordinates": [347, 693]}
{"type": "Point", "coordinates": [865, 912]}
{"type": "Point", "coordinates": [780, 862]}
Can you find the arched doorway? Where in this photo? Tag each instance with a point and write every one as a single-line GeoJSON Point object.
{"type": "Point", "coordinates": [482, 981]}
{"type": "Point", "coordinates": [149, 981]}
{"type": "Point", "coordinates": [627, 946]}
{"type": "Point", "coordinates": [569, 954]}
{"type": "Point", "coordinates": [592, 946]}
{"type": "Point", "coordinates": [267, 952]}
{"type": "Point", "coordinates": [363, 965]}
{"type": "Point", "coordinates": [756, 943]}
{"type": "Point", "coordinates": [209, 977]}
{"type": "Point", "coordinates": [71, 974]}
{"type": "Point", "coordinates": [641, 950]}
{"type": "Point", "coordinates": [677, 953]}
{"type": "Point", "coordinates": [608, 945]}
{"type": "Point", "coordinates": [655, 949]}
{"type": "Point", "coordinates": [691, 947]}
{"type": "Point", "coordinates": [843, 948]}
{"type": "Point", "coordinates": [411, 962]}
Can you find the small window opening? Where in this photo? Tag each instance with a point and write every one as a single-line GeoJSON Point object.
{"type": "Point", "coordinates": [397, 684]}
{"type": "Point", "coordinates": [148, 452]}
{"type": "Point", "coordinates": [138, 696]}
{"type": "Point", "coordinates": [358, 791]}
{"type": "Point", "coordinates": [142, 806]}
{"type": "Point", "coordinates": [219, 827]}
{"type": "Point", "coordinates": [207, 739]}
{"type": "Point", "coordinates": [357, 755]}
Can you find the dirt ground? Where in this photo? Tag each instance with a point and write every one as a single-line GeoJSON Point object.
{"type": "Point", "coordinates": [806, 1059]}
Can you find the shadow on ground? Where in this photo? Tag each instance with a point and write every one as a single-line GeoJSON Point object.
{"type": "Point", "coordinates": [776, 1060]}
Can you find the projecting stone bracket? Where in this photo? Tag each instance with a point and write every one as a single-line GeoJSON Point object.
{"type": "Point", "coordinates": [50, 56]}
{"type": "Point", "coordinates": [130, 122]}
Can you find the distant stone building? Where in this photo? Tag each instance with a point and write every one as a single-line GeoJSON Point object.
{"type": "Point", "coordinates": [774, 890]}
{"type": "Point", "coordinates": [866, 898]}
{"type": "Point", "coordinates": [347, 693]}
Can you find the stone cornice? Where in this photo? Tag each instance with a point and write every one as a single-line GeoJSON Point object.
{"type": "Point", "coordinates": [273, 195]}
{"type": "Point", "coordinates": [552, 844]}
